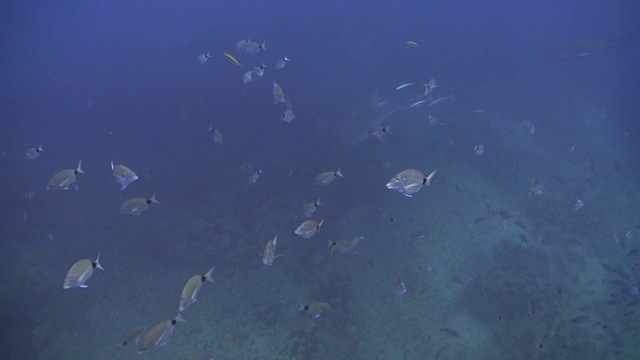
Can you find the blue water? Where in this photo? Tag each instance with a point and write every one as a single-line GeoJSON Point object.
{"type": "Point", "coordinates": [491, 271]}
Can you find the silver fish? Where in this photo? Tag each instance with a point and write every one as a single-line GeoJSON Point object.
{"type": "Point", "coordinates": [203, 58]}
{"type": "Point", "coordinates": [400, 287]}
{"type": "Point", "coordinates": [123, 175]}
{"type": "Point", "coordinates": [247, 77]}
{"type": "Point", "coordinates": [345, 247]}
{"type": "Point", "coordinates": [428, 87]}
{"type": "Point", "coordinates": [137, 206]}
{"type": "Point", "coordinates": [278, 93]}
{"type": "Point", "coordinates": [257, 72]}
{"type": "Point", "coordinates": [404, 86]}
{"type": "Point", "coordinates": [409, 182]}
{"type": "Point", "coordinates": [253, 178]}
{"type": "Point", "coordinates": [308, 228]}
{"type": "Point", "coordinates": [269, 253]}
{"type": "Point", "coordinates": [288, 116]}
{"type": "Point", "coordinates": [327, 177]}
{"type": "Point", "coordinates": [159, 334]}
{"type": "Point", "coordinates": [216, 135]}
{"type": "Point", "coordinates": [80, 272]}
{"type": "Point", "coordinates": [310, 208]}
{"type": "Point", "coordinates": [316, 309]}
{"type": "Point", "coordinates": [250, 47]}
{"type": "Point", "coordinates": [63, 180]}
{"type": "Point", "coordinates": [378, 131]}
{"type": "Point", "coordinates": [34, 152]}
{"type": "Point", "coordinates": [280, 63]}
{"type": "Point", "coordinates": [417, 103]}
{"type": "Point", "coordinates": [192, 289]}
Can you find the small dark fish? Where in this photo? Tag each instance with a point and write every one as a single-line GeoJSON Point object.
{"type": "Point", "coordinates": [574, 241]}
{"type": "Point", "coordinates": [634, 252]}
{"type": "Point", "coordinates": [589, 165]}
{"type": "Point", "coordinates": [580, 319]}
{"type": "Point", "coordinates": [533, 308]}
{"type": "Point", "coordinates": [457, 188]}
{"type": "Point", "coordinates": [611, 333]}
{"type": "Point", "coordinates": [478, 219]}
{"type": "Point", "coordinates": [457, 280]}
{"type": "Point", "coordinates": [616, 166]}
{"type": "Point", "coordinates": [439, 352]}
{"type": "Point", "coordinates": [450, 331]}
{"type": "Point", "coordinates": [619, 283]}
{"type": "Point", "coordinates": [490, 210]}
{"type": "Point", "coordinates": [520, 224]}
{"type": "Point", "coordinates": [505, 214]}
{"type": "Point", "coordinates": [554, 285]}
{"type": "Point", "coordinates": [624, 275]}
{"type": "Point", "coordinates": [523, 238]}
{"type": "Point", "coordinates": [617, 299]}
{"type": "Point", "coordinates": [608, 268]}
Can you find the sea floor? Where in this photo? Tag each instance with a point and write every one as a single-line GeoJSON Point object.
{"type": "Point", "coordinates": [492, 271]}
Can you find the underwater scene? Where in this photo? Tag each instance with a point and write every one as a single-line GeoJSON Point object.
{"type": "Point", "coordinates": [375, 180]}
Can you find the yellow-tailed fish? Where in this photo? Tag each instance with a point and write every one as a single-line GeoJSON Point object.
{"type": "Point", "coordinates": [232, 58]}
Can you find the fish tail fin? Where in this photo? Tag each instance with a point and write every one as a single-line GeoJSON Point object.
{"type": "Point", "coordinates": [320, 224]}
{"type": "Point", "coordinates": [338, 173]}
{"type": "Point", "coordinates": [96, 263]}
{"type": "Point", "coordinates": [40, 149]}
{"type": "Point", "coordinates": [79, 168]}
{"type": "Point", "coordinates": [355, 241]}
{"type": "Point", "coordinates": [112, 166]}
{"type": "Point", "coordinates": [429, 178]}
{"type": "Point", "coordinates": [318, 203]}
{"type": "Point", "coordinates": [209, 275]}
{"type": "Point", "coordinates": [179, 318]}
{"type": "Point", "coordinates": [154, 200]}
{"type": "Point", "coordinates": [263, 46]}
